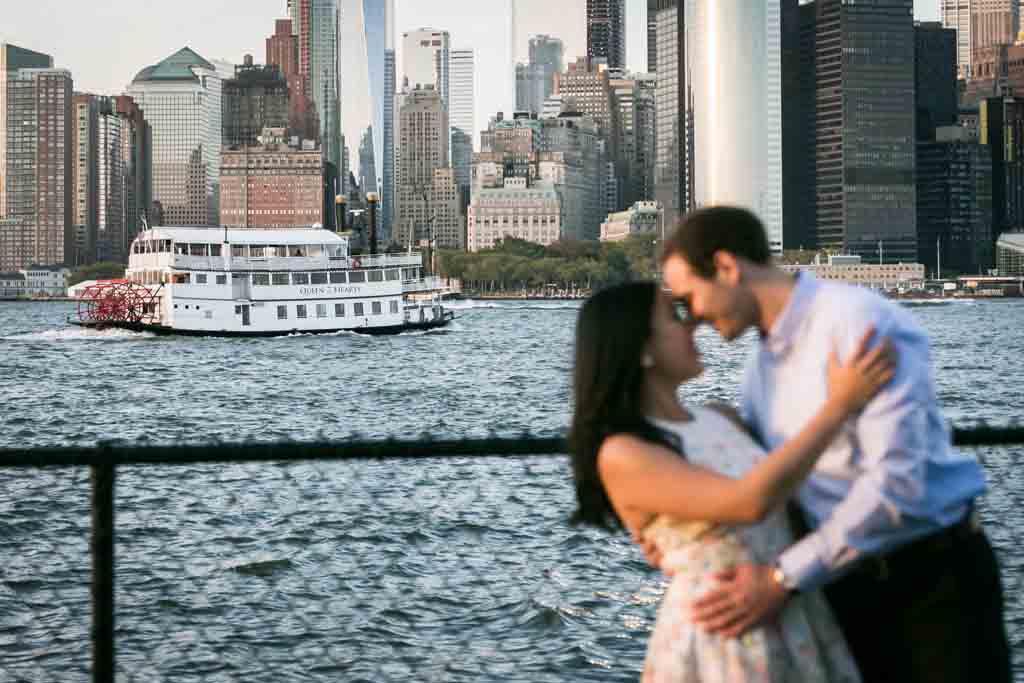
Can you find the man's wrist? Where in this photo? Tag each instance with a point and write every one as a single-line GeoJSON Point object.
{"type": "Point", "coordinates": [783, 580]}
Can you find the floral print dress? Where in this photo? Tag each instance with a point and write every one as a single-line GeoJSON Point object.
{"type": "Point", "coordinates": [803, 643]}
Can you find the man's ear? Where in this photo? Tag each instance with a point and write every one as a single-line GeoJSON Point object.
{"type": "Point", "coordinates": [727, 268]}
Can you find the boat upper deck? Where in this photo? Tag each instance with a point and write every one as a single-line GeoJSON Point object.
{"type": "Point", "coordinates": [219, 249]}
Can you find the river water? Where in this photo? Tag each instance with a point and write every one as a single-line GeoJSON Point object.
{"type": "Point", "coordinates": [456, 570]}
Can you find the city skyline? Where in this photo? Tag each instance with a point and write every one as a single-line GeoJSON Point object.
{"type": "Point", "coordinates": [202, 24]}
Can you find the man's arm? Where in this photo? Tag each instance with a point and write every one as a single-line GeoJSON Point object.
{"type": "Point", "coordinates": [886, 504]}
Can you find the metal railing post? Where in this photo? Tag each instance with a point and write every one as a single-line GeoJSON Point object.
{"type": "Point", "coordinates": [102, 475]}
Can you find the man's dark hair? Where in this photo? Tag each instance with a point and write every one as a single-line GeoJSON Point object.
{"type": "Point", "coordinates": [719, 228]}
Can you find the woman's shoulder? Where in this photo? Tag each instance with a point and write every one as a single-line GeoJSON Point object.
{"type": "Point", "coordinates": [624, 451]}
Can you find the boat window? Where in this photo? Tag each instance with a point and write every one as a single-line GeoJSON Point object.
{"type": "Point", "coordinates": [357, 276]}
{"type": "Point", "coordinates": [297, 251]}
{"type": "Point", "coordinates": [277, 251]}
{"type": "Point", "coordinates": [315, 250]}
{"type": "Point", "coordinates": [181, 249]}
{"type": "Point", "coordinates": [393, 274]}
{"type": "Point", "coordinates": [321, 310]}
{"type": "Point", "coordinates": [257, 251]}
{"type": "Point", "coordinates": [376, 276]}
{"type": "Point", "coordinates": [318, 278]}
{"type": "Point", "coordinates": [339, 310]}
{"type": "Point", "coordinates": [200, 278]}
{"type": "Point", "coordinates": [197, 250]}
{"type": "Point", "coordinates": [222, 279]}
{"type": "Point", "coordinates": [282, 312]}
{"type": "Point", "coordinates": [261, 279]}
{"type": "Point", "coordinates": [408, 273]}
{"type": "Point", "coordinates": [337, 277]}
{"type": "Point", "coordinates": [357, 309]}
{"type": "Point", "coordinates": [238, 251]}
{"type": "Point", "coordinates": [394, 307]}
{"type": "Point", "coordinates": [300, 311]}
{"type": "Point", "coordinates": [300, 278]}
{"type": "Point", "coordinates": [215, 250]}
{"type": "Point", "coordinates": [181, 278]}
{"type": "Point", "coordinates": [376, 308]}
{"type": "Point", "coordinates": [336, 251]}
{"type": "Point", "coordinates": [280, 278]}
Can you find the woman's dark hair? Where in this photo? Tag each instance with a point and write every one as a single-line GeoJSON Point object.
{"type": "Point", "coordinates": [718, 228]}
{"type": "Point", "coordinates": [613, 327]}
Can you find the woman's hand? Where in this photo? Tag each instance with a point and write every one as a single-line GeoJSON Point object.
{"type": "Point", "coordinates": [859, 380]}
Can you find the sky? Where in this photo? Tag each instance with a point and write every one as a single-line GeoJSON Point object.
{"type": "Point", "coordinates": [106, 43]}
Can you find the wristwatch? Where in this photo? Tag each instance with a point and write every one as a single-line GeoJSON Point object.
{"type": "Point", "coordinates": [780, 577]}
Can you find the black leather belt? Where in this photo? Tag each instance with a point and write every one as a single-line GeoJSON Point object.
{"type": "Point", "coordinates": [883, 567]}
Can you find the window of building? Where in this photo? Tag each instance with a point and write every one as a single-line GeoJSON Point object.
{"type": "Point", "coordinates": [318, 278]}
{"type": "Point", "coordinates": [337, 277]}
{"type": "Point", "coordinates": [279, 278]}
{"type": "Point", "coordinates": [282, 312]}
{"type": "Point", "coordinates": [357, 310]}
{"type": "Point", "coordinates": [300, 278]}
{"type": "Point", "coordinates": [339, 310]}
{"type": "Point", "coordinates": [300, 311]}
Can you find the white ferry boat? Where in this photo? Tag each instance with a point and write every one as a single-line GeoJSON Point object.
{"type": "Point", "coordinates": [257, 282]}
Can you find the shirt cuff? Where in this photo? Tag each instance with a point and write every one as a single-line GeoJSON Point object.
{"type": "Point", "coordinates": [802, 563]}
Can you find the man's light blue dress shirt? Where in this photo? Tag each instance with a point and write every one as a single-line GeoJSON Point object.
{"type": "Point", "coordinates": [892, 475]}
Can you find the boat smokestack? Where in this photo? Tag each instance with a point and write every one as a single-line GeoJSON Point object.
{"type": "Point", "coordinates": [340, 213]}
{"type": "Point", "coordinates": [371, 201]}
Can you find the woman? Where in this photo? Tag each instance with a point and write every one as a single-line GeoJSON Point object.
{"type": "Point", "coordinates": [699, 486]}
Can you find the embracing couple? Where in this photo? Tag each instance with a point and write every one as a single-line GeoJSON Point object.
{"type": "Point", "coordinates": [877, 570]}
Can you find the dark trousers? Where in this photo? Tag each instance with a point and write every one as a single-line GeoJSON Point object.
{"type": "Point", "coordinates": [931, 612]}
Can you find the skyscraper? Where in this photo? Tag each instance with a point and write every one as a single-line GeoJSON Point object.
{"type": "Point", "coordinates": [365, 38]}
{"type": "Point", "coordinates": [865, 129]}
{"type": "Point", "coordinates": [935, 76]}
{"type": "Point", "coordinates": [84, 191]}
{"type": "Point", "coordinates": [181, 99]}
{"type": "Point", "coordinates": [257, 97]}
{"type": "Point", "coordinates": [979, 24]}
{"type": "Point", "coordinates": [672, 165]}
{"type": "Point", "coordinates": [606, 32]}
{"type": "Point", "coordinates": [37, 164]}
{"type": "Point", "coordinates": [426, 54]}
{"type": "Point", "coordinates": [283, 52]}
{"type": "Point", "coordinates": [737, 140]}
{"type": "Point", "coordinates": [461, 116]}
{"type": "Point", "coordinates": [318, 67]}
{"type": "Point", "coordinates": [13, 58]}
{"type": "Point", "coordinates": [652, 36]}
{"type": "Point", "coordinates": [388, 199]}
{"type": "Point", "coordinates": [535, 81]}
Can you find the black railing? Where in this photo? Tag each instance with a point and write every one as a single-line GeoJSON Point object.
{"type": "Point", "coordinates": [104, 460]}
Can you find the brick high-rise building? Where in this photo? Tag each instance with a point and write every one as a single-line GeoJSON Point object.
{"type": "Point", "coordinates": [272, 184]}
{"type": "Point", "coordinates": [283, 52]}
{"type": "Point", "coordinates": [606, 32]}
{"type": "Point", "coordinates": [37, 166]}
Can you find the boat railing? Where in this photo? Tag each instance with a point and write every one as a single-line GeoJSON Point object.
{"type": "Point", "coordinates": [426, 284]}
{"type": "Point", "coordinates": [287, 263]}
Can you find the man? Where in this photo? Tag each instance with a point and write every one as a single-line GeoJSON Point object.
{"type": "Point", "coordinates": [894, 538]}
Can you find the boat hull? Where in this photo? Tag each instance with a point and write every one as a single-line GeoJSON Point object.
{"type": "Point", "coordinates": [164, 330]}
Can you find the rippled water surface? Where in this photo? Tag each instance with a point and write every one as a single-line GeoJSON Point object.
{"type": "Point", "coordinates": [461, 570]}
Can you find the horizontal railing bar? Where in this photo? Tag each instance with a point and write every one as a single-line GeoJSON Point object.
{"type": "Point", "coordinates": [281, 451]}
{"type": "Point", "coordinates": [289, 451]}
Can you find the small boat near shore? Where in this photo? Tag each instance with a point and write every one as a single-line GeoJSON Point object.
{"type": "Point", "coordinates": [220, 282]}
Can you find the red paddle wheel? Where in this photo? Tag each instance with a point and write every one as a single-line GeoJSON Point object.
{"type": "Point", "coordinates": [116, 301]}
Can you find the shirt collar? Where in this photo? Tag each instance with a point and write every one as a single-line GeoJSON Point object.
{"type": "Point", "coordinates": [782, 335]}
